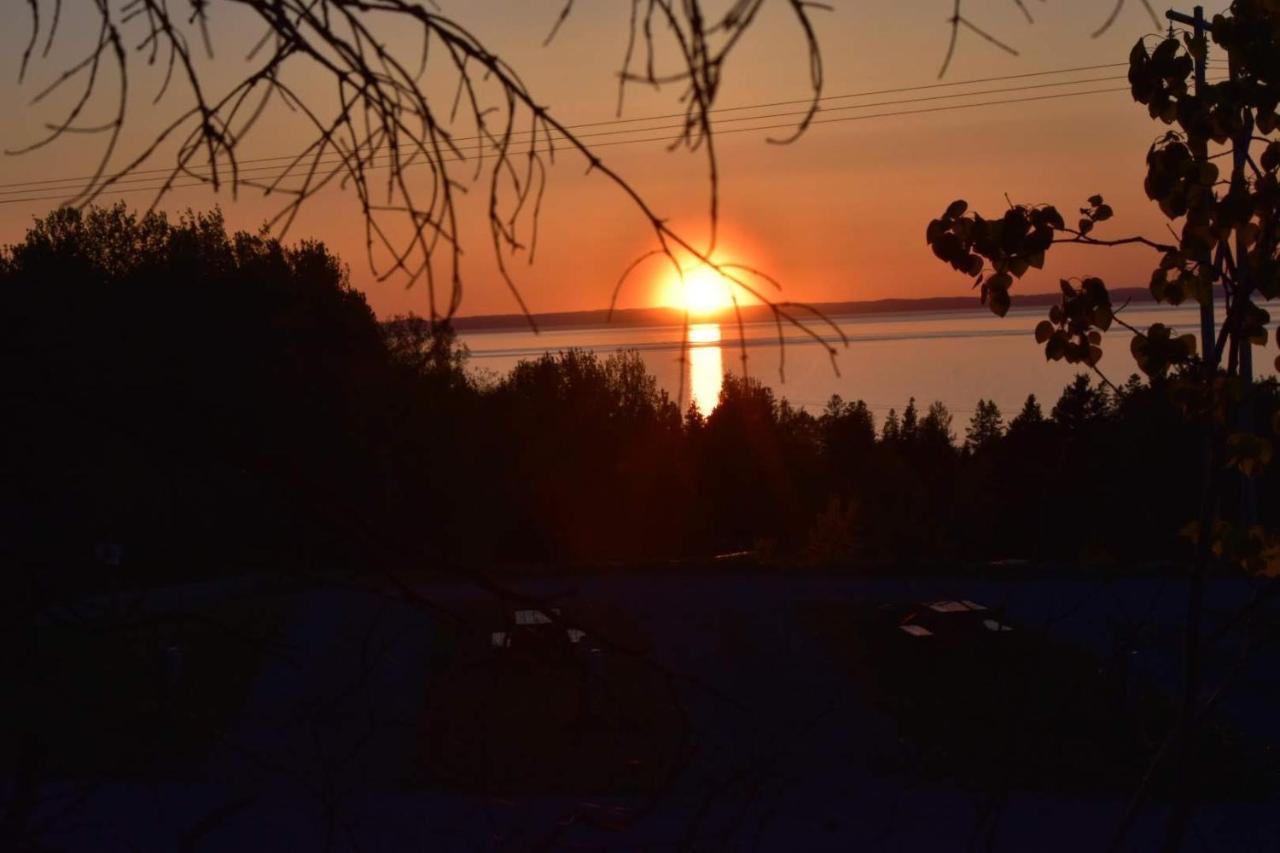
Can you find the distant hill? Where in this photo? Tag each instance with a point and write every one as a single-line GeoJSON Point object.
{"type": "Point", "coordinates": [756, 313]}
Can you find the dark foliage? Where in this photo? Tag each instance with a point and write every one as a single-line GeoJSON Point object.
{"type": "Point", "coordinates": [204, 400]}
{"type": "Point", "coordinates": [215, 403]}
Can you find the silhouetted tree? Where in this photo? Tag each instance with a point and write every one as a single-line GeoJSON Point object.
{"type": "Point", "coordinates": [985, 427]}
{"type": "Point", "coordinates": [907, 430]}
{"type": "Point", "coordinates": [935, 428]}
{"type": "Point", "coordinates": [848, 437]}
{"type": "Point", "coordinates": [197, 356]}
{"type": "Point", "coordinates": [892, 428]}
{"type": "Point", "coordinates": [745, 475]}
{"type": "Point", "coordinates": [1030, 416]}
{"type": "Point", "coordinates": [276, 380]}
{"type": "Point", "coordinates": [1082, 404]}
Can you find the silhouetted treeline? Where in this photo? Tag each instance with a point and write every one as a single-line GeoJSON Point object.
{"type": "Point", "coordinates": [215, 403]}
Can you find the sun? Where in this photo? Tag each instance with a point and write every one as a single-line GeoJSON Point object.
{"type": "Point", "coordinates": [703, 291]}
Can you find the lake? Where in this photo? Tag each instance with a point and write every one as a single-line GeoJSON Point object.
{"type": "Point", "coordinates": [956, 357]}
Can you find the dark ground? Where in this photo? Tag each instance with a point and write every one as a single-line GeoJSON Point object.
{"type": "Point", "coordinates": [717, 713]}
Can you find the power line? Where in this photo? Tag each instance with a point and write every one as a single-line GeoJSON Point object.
{"type": "Point", "coordinates": [730, 131]}
{"type": "Point", "coordinates": [302, 167]}
{"type": "Point", "coordinates": [621, 121]}
{"type": "Point", "coordinates": [667, 139]}
{"type": "Point", "coordinates": [727, 132]}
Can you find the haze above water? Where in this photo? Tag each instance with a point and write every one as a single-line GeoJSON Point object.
{"type": "Point", "coordinates": [953, 356]}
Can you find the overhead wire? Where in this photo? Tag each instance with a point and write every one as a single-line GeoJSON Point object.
{"type": "Point", "coordinates": [333, 159]}
{"type": "Point", "coordinates": [637, 119]}
{"type": "Point", "coordinates": [300, 167]}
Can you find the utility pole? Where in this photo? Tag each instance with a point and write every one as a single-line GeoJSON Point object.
{"type": "Point", "coordinates": [1195, 20]}
{"type": "Point", "coordinates": [1240, 294]}
{"type": "Point", "coordinates": [1180, 737]}
{"type": "Point", "coordinates": [1243, 294]}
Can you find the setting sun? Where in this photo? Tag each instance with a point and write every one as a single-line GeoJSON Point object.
{"type": "Point", "coordinates": [702, 291]}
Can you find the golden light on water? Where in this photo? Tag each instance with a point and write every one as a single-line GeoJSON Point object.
{"type": "Point", "coordinates": [706, 366]}
{"type": "Point", "coordinates": [704, 333]}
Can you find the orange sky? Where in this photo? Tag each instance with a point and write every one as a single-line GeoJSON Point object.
{"type": "Point", "coordinates": [838, 215]}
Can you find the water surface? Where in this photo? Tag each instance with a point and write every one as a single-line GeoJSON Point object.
{"type": "Point", "coordinates": [956, 357]}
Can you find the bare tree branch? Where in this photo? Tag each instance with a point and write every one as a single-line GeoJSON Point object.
{"type": "Point", "coordinates": [387, 116]}
{"type": "Point", "coordinates": [1115, 13]}
{"type": "Point", "coordinates": [958, 20]}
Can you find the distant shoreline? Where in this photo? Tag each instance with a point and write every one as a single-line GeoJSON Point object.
{"type": "Point", "coordinates": [631, 317]}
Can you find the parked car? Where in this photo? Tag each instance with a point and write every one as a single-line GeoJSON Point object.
{"type": "Point", "coordinates": [946, 618]}
{"type": "Point", "coordinates": [533, 628]}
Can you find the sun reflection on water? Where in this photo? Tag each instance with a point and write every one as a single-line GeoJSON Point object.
{"type": "Point", "coordinates": [706, 366]}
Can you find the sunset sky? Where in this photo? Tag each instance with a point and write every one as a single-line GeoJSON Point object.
{"type": "Point", "coordinates": [838, 215]}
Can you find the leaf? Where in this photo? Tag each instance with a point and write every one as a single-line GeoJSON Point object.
{"type": "Point", "coordinates": [1096, 288]}
{"type": "Point", "coordinates": [1095, 200]}
{"type": "Point", "coordinates": [935, 230]}
{"type": "Point", "coordinates": [1271, 156]}
{"type": "Point", "coordinates": [1086, 225]}
{"type": "Point", "coordinates": [1044, 331]}
{"type": "Point", "coordinates": [999, 302]}
{"type": "Point", "coordinates": [1138, 349]}
{"type": "Point", "coordinates": [1163, 55]}
{"type": "Point", "coordinates": [1102, 317]}
{"type": "Point", "coordinates": [956, 209]}
{"type": "Point", "coordinates": [1103, 213]}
